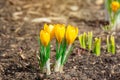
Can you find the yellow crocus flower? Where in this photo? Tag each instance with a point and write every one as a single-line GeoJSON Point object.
{"type": "Point", "coordinates": [49, 29]}
{"type": "Point", "coordinates": [44, 37]}
{"type": "Point", "coordinates": [59, 32]}
{"type": "Point", "coordinates": [71, 34]}
{"type": "Point", "coordinates": [115, 6]}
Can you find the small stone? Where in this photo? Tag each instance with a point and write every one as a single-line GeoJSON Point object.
{"type": "Point", "coordinates": [22, 56]}
{"type": "Point", "coordinates": [99, 2]}
{"type": "Point", "coordinates": [74, 8]}
{"type": "Point", "coordinates": [75, 67]}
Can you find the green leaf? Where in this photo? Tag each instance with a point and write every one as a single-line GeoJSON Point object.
{"type": "Point", "coordinates": [90, 37]}
{"type": "Point", "coordinates": [64, 50]}
{"type": "Point", "coordinates": [81, 40]}
{"type": "Point", "coordinates": [67, 53]}
{"type": "Point", "coordinates": [84, 41]}
{"type": "Point", "coordinates": [112, 42]}
{"type": "Point", "coordinates": [47, 56]}
{"type": "Point", "coordinates": [44, 54]}
{"type": "Point", "coordinates": [41, 56]}
{"type": "Point", "coordinates": [57, 50]}
{"type": "Point", "coordinates": [108, 44]}
{"type": "Point", "coordinates": [60, 49]}
{"type": "Point", "coordinates": [108, 6]}
{"type": "Point", "coordinates": [97, 46]}
{"type": "Point", "coordinates": [118, 1]}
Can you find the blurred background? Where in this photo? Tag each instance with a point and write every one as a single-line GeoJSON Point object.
{"type": "Point", "coordinates": [38, 11]}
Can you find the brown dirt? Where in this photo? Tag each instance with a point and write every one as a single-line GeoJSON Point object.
{"type": "Point", "coordinates": [19, 29]}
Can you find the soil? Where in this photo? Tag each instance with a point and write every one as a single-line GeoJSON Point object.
{"type": "Point", "coordinates": [20, 23]}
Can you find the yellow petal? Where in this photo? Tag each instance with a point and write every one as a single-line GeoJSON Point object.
{"type": "Point", "coordinates": [44, 37]}
{"type": "Point", "coordinates": [59, 32]}
{"type": "Point", "coordinates": [71, 34]}
{"type": "Point", "coordinates": [49, 29]}
{"type": "Point", "coordinates": [115, 6]}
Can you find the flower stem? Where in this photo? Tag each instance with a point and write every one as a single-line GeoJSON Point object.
{"type": "Point", "coordinates": [57, 65]}
{"type": "Point", "coordinates": [48, 71]}
{"type": "Point", "coordinates": [66, 53]}
{"type": "Point", "coordinates": [61, 69]}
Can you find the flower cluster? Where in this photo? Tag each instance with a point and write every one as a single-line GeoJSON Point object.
{"type": "Point", "coordinates": [64, 39]}
{"type": "Point", "coordinates": [44, 52]}
{"type": "Point", "coordinates": [64, 36]}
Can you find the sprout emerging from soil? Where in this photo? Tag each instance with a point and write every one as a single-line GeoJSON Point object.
{"type": "Point", "coordinates": [86, 40]}
{"type": "Point", "coordinates": [82, 40]}
{"type": "Point", "coordinates": [97, 46]}
{"type": "Point", "coordinates": [90, 38]}
{"type": "Point", "coordinates": [111, 44]}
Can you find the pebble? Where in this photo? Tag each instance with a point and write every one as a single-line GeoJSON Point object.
{"type": "Point", "coordinates": [74, 8]}
{"type": "Point", "coordinates": [99, 2]}
{"type": "Point", "coordinates": [75, 67]}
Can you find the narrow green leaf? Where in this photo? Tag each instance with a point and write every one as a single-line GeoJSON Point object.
{"type": "Point", "coordinates": [57, 50]}
{"type": "Point", "coordinates": [84, 41]}
{"type": "Point", "coordinates": [64, 50]}
{"type": "Point", "coordinates": [97, 46]}
{"type": "Point", "coordinates": [90, 36]}
{"type": "Point", "coordinates": [67, 53]}
{"type": "Point", "coordinates": [108, 44]}
{"type": "Point", "coordinates": [61, 49]}
{"type": "Point", "coordinates": [108, 6]}
{"type": "Point", "coordinates": [118, 1]}
{"type": "Point", "coordinates": [112, 42]}
{"type": "Point", "coordinates": [44, 54]}
{"type": "Point", "coordinates": [81, 40]}
{"type": "Point", "coordinates": [47, 56]}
